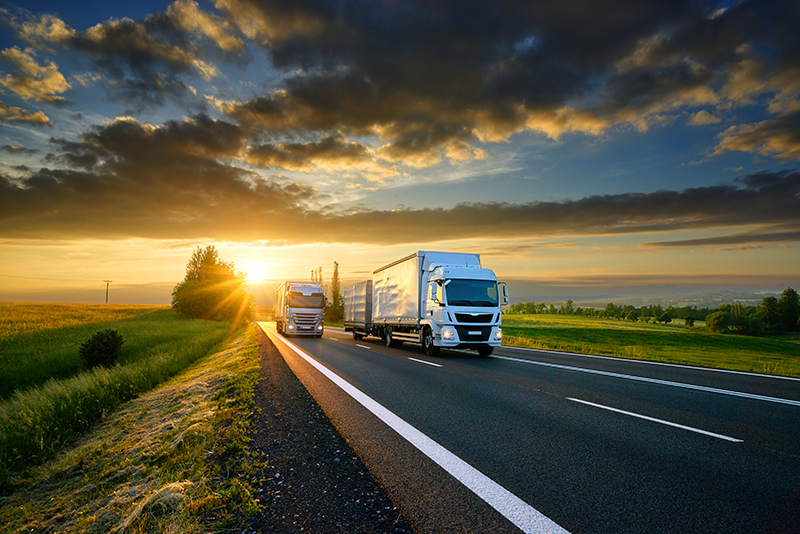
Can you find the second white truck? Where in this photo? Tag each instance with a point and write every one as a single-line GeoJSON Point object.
{"type": "Point", "coordinates": [300, 308]}
{"type": "Point", "coordinates": [437, 299]}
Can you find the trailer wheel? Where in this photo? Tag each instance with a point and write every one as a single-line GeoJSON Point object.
{"type": "Point", "coordinates": [427, 342]}
{"type": "Point", "coordinates": [357, 336]}
{"type": "Point", "coordinates": [390, 340]}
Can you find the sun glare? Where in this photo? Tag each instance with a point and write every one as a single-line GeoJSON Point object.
{"type": "Point", "coordinates": [257, 271]}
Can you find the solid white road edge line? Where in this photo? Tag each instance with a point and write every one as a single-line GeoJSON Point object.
{"type": "Point", "coordinates": [521, 514]}
{"type": "Point", "coordinates": [423, 361]}
{"type": "Point", "coordinates": [668, 423]}
{"type": "Point", "coordinates": [363, 346]}
{"type": "Point", "coordinates": [654, 381]}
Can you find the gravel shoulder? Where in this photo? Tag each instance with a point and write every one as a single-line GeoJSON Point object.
{"type": "Point", "coordinates": [313, 481]}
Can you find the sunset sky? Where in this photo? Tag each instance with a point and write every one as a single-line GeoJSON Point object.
{"type": "Point", "coordinates": [583, 148]}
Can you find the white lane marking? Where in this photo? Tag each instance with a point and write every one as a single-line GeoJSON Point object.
{"type": "Point", "coordinates": [337, 333]}
{"type": "Point", "coordinates": [363, 346]}
{"type": "Point", "coordinates": [668, 423]}
{"type": "Point", "coordinates": [664, 364]}
{"type": "Point", "coordinates": [423, 361]}
{"type": "Point", "coordinates": [655, 381]}
{"type": "Point", "coordinates": [521, 514]}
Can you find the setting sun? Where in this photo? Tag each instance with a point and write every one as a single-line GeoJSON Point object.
{"type": "Point", "coordinates": [256, 271]}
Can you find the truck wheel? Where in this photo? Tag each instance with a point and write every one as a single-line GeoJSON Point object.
{"type": "Point", "coordinates": [485, 351]}
{"type": "Point", "coordinates": [427, 343]}
{"type": "Point", "coordinates": [390, 340]}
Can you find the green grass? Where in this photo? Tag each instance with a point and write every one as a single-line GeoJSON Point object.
{"type": "Point", "coordinates": [174, 459]}
{"type": "Point", "coordinates": [51, 399]}
{"type": "Point", "coordinates": [39, 342]}
{"type": "Point", "coordinates": [673, 344]}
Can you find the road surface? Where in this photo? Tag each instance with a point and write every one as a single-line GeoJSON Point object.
{"type": "Point", "coordinates": [539, 441]}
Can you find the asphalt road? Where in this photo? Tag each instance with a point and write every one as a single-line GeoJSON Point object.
{"type": "Point", "coordinates": [551, 442]}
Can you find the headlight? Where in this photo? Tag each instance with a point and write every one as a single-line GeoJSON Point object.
{"type": "Point", "coordinates": [498, 335]}
{"type": "Point", "coordinates": [319, 328]}
{"type": "Point", "coordinates": [448, 334]}
{"type": "Point", "coordinates": [291, 327]}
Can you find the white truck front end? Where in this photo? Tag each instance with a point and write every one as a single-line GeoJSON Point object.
{"type": "Point", "coordinates": [300, 309]}
{"type": "Point", "coordinates": [462, 309]}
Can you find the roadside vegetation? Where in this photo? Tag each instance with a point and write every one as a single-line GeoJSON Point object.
{"type": "Point", "coordinates": [50, 396]}
{"type": "Point", "coordinates": [64, 368]}
{"type": "Point", "coordinates": [670, 343]}
{"type": "Point", "coordinates": [772, 316]}
{"type": "Point", "coordinates": [174, 459]}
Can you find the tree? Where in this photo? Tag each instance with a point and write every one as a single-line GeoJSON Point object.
{"type": "Point", "coordinates": [768, 311]}
{"type": "Point", "coordinates": [335, 310]}
{"type": "Point", "coordinates": [689, 320]}
{"type": "Point", "coordinates": [213, 289]}
{"type": "Point", "coordinates": [718, 321]}
{"type": "Point", "coordinates": [789, 309]}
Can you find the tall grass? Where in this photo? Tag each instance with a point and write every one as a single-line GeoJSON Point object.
{"type": "Point", "coordinates": [38, 420]}
{"type": "Point", "coordinates": [39, 342]}
{"type": "Point", "coordinates": [674, 344]}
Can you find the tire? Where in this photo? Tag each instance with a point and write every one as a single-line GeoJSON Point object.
{"type": "Point", "coordinates": [485, 351]}
{"type": "Point", "coordinates": [390, 340]}
{"type": "Point", "coordinates": [427, 343]}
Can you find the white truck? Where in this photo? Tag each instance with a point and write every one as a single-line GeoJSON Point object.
{"type": "Point", "coordinates": [437, 299]}
{"type": "Point", "coordinates": [300, 308]}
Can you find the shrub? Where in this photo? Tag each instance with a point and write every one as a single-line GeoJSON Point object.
{"type": "Point", "coordinates": [103, 348]}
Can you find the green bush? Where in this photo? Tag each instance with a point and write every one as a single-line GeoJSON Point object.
{"type": "Point", "coordinates": [103, 348]}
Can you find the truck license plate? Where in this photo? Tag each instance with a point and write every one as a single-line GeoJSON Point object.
{"type": "Point", "coordinates": [474, 333]}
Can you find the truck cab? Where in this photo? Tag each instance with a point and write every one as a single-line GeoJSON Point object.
{"type": "Point", "coordinates": [462, 309]}
{"type": "Point", "coordinates": [300, 309]}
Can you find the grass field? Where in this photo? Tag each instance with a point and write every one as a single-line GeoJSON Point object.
{"type": "Point", "coordinates": [175, 459]}
{"type": "Point", "coordinates": [674, 344]}
{"type": "Point", "coordinates": [49, 398]}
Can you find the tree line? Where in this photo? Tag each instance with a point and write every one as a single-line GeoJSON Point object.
{"type": "Point", "coordinates": [773, 315]}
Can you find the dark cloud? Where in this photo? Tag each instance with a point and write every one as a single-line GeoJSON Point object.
{"type": "Point", "coordinates": [425, 77]}
{"type": "Point", "coordinates": [180, 180]}
{"type": "Point", "coordinates": [14, 149]}
{"type": "Point", "coordinates": [148, 60]}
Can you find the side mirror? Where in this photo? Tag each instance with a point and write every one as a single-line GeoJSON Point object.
{"type": "Point", "coordinates": [434, 292]}
{"type": "Point", "coordinates": [505, 291]}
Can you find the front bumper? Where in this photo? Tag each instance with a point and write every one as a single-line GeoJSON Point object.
{"type": "Point", "coordinates": [466, 336]}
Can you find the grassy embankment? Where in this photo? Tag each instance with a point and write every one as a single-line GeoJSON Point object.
{"type": "Point", "coordinates": [48, 398]}
{"type": "Point", "coordinates": [673, 344]}
{"type": "Point", "coordinates": [162, 462]}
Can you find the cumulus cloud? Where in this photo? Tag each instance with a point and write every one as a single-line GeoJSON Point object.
{"type": "Point", "coordinates": [435, 81]}
{"type": "Point", "coordinates": [43, 83]}
{"type": "Point", "coordinates": [144, 61]}
{"type": "Point", "coordinates": [19, 115]}
{"type": "Point", "coordinates": [778, 138]}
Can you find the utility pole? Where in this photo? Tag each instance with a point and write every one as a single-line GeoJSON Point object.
{"type": "Point", "coordinates": [107, 282]}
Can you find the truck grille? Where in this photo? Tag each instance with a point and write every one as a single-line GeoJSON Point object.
{"type": "Point", "coordinates": [475, 319]}
{"type": "Point", "coordinates": [305, 319]}
{"type": "Point", "coordinates": [474, 333]}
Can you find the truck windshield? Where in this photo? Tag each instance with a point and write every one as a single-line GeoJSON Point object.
{"type": "Point", "coordinates": [472, 293]}
{"type": "Point", "coordinates": [298, 300]}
